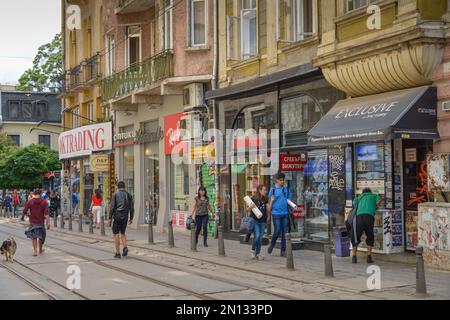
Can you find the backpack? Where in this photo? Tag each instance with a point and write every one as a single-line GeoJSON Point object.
{"type": "Point", "coordinates": [292, 227]}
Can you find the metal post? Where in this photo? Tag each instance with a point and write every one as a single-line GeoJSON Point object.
{"type": "Point", "coordinates": [289, 254]}
{"type": "Point", "coordinates": [91, 225]}
{"type": "Point", "coordinates": [70, 222]}
{"type": "Point", "coordinates": [221, 241]}
{"type": "Point", "coordinates": [171, 239]}
{"type": "Point", "coordinates": [55, 221]}
{"type": "Point", "coordinates": [62, 221]}
{"type": "Point", "coordinates": [193, 242]}
{"type": "Point", "coordinates": [421, 286]}
{"type": "Point", "coordinates": [102, 225]}
{"type": "Point", "coordinates": [328, 260]}
{"type": "Point", "coordinates": [150, 231]}
{"type": "Point", "coordinates": [80, 223]}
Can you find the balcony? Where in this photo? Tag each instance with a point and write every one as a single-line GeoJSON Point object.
{"type": "Point", "coordinates": [138, 76]}
{"type": "Point", "coordinates": [129, 6]}
{"type": "Point", "coordinates": [82, 75]}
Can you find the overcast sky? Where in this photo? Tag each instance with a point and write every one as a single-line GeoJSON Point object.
{"type": "Point", "coordinates": [25, 25]}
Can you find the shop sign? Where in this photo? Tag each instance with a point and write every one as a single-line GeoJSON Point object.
{"type": "Point", "coordinates": [411, 155]}
{"type": "Point", "coordinates": [99, 162]}
{"type": "Point", "coordinates": [172, 135]}
{"type": "Point", "coordinates": [85, 140]}
{"type": "Point", "coordinates": [299, 212]}
{"type": "Point", "coordinates": [203, 152]}
{"type": "Point", "coordinates": [137, 137]}
{"type": "Point", "coordinates": [49, 175]}
{"type": "Point", "coordinates": [292, 162]}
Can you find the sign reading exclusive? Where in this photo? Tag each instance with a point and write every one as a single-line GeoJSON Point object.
{"type": "Point", "coordinates": [85, 140]}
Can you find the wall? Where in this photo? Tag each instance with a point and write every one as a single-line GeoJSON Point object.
{"type": "Point", "coordinates": [27, 138]}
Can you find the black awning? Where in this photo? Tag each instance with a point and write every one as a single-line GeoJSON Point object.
{"type": "Point", "coordinates": [408, 114]}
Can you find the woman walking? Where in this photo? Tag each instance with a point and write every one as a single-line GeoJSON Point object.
{"type": "Point", "coordinates": [200, 214]}
{"type": "Point", "coordinates": [54, 204]}
{"type": "Point", "coordinates": [37, 209]}
{"type": "Point", "coordinates": [260, 201]}
{"type": "Point", "coordinates": [97, 209]}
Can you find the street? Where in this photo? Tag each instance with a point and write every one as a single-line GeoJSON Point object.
{"type": "Point", "coordinates": [160, 272]}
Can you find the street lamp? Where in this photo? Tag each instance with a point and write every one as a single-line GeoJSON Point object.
{"type": "Point", "coordinates": [32, 129]}
{"type": "Point", "coordinates": [80, 116]}
{"type": "Point", "coordinates": [51, 124]}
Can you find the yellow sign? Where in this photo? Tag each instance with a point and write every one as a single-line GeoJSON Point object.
{"type": "Point", "coordinates": [99, 163]}
{"type": "Point", "coordinates": [203, 152]}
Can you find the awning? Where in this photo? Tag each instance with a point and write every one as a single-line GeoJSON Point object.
{"type": "Point", "coordinates": [406, 114]}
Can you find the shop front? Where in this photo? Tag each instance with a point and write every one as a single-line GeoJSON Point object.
{"type": "Point", "coordinates": [86, 153]}
{"type": "Point", "coordinates": [380, 142]}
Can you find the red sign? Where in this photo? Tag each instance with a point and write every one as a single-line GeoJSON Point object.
{"type": "Point", "coordinates": [49, 175]}
{"type": "Point", "coordinates": [247, 142]}
{"type": "Point", "coordinates": [299, 212]}
{"type": "Point", "coordinates": [292, 162]}
{"type": "Point", "coordinates": [171, 132]}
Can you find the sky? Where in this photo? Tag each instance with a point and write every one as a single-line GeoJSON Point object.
{"type": "Point", "coordinates": [25, 25]}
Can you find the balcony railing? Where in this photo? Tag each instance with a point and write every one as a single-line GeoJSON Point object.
{"type": "Point", "coordinates": [85, 72]}
{"type": "Point", "coordinates": [92, 68]}
{"type": "Point", "coordinates": [128, 6]}
{"type": "Point", "coordinates": [74, 77]}
{"type": "Point", "coordinates": [138, 75]}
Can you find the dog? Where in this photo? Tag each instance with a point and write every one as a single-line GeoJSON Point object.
{"type": "Point", "coordinates": [8, 248]}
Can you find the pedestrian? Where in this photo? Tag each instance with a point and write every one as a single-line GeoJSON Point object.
{"type": "Point", "coordinates": [260, 201]}
{"type": "Point", "coordinates": [16, 203]}
{"type": "Point", "coordinates": [200, 214]}
{"type": "Point", "coordinates": [279, 195]}
{"type": "Point", "coordinates": [37, 210]}
{"type": "Point", "coordinates": [96, 207]}
{"type": "Point", "coordinates": [54, 204]}
{"type": "Point", "coordinates": [75, 201]}
{"type": "Point", "coordinates": [121, 206]}
{"type": "Point", "coordinates": [7, 202]}
{"type": "Point", "coordinates": [368, 204]}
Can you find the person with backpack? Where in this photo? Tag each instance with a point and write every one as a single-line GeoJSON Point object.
{"type": "Point", "coordinates": [121, 213]}
{"type": "Point", "coordinates": [260, 201]}
{"type": "Point", "coordinates": [97, 208]}
{"type": "Point", "coordinates": [367, 204]}
{"type": "Point", "coordinates": [279, 195]}
{"type": "Point", "coordinates": [200, 214]}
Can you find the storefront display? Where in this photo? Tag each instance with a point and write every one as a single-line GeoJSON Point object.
{"type": "Point", "coordinates": [151, 171]}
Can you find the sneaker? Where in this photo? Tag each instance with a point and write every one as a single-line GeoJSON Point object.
{"type": "Point", "coordinates": [283, 254]}
{"type": "Point", "coordinates": [253, 254]}
{"type": "Point", "coordinates": [354, 260]}
{"type": "Point", "coordinates": [125, 251]}
{"type": "Point", "coordinates": [259, 258]}
{"type": "Point", "coordinates": [369, 259]}
{"type": "Point", "coordinates": [270, 249]}
{"type": "Point", "coordinates": [117, 256]}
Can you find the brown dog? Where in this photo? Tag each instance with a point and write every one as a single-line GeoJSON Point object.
{"type": "Point", "coordinates": [8, 248]}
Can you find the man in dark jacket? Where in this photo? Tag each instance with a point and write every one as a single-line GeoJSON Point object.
{"type": "Point", "coordinates": [121, 206]}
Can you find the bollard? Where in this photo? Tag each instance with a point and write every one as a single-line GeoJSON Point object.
{"type": "Point", "coordinates": [150, 232]}
{"type": "Point", "coordinates": [171, 239]}
{"type": "Point", "coordinates": [328, 260]}
{"type": "Point", "coordinates": [193, 241]}
{"type": "Point", "coordinates": [102, 226]}
{"type": "Point", "coordinates": [221, 241]}
{"type": "Point", "coordinates": [289, 254]}
{"type": "Point", "coordinates": [91, 225]}
{"type": "Point", "coordinates": [80, 223]}
{"type": "Point", "coordinates": [62, 221]}
{"type": "Point", "coordinates": [421, 286]}
{"type": "Point", "coordinates": [70, 222]}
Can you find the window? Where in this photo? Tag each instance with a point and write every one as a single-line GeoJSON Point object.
{"type": "Point", "coordinates": [90, 111]}
{"type": "Point", "coordinates": [41, 110]}
{"type": "Point", "coordinates": [15, 138]}
{"type": "Point", "coordinates": [297, 19]}
{"type": "Point", "coordinates": [27, 110]}
{"type": "Point", "coordinates": [356, 4]}
{"type": "Point", "coordinates": [242, 32]}
{"type": "Point", "coordinates": [198, 20]}
{"type": "Point", "coordinates": [180, 186]}
{"type": "Point", "coordinates": [76, 118]}
{"type": "Point", "coordinates": [44, 139]}
{"type": "Point", "coordinates": [110, 54]}
{"type": "Point", "coordinates": [133, 52]}
{"type": "Point", "coordinates": [168, 39]}
{"type": "Point", "coordinates": [14, 109]}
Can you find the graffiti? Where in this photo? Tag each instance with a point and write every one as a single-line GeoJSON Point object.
{"type": "Point", "coordinates": [434, 231]}
{"type": "Point", "coordinates": [422, 191]}
{"type": "Point", "coordinates": [387, 230]}
{"type": "Point", "coordinates": [438, 172]}
{"type": "Point", "coordinates": [336, 182]}
{"type": "Point", "coordinates": [336, 163]}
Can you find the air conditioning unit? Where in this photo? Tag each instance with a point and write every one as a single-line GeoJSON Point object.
{"type": "Point", "coordinates": [191, 123]}
{"type": "Point", "coordinates": [193, 96]}
{"type": "Point", "coordinates": [446, 105]}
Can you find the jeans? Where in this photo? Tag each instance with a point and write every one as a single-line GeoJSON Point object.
{"type": "Point", "coordinates": [281, 223]}
{"type": "Point", "coordinates": [199, 222]}
{"type": "Point", "coordinates": [16, 211]}
{"type": "Point", "coordinates": [258, 234]}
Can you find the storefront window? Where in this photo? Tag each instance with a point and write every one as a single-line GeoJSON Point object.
{"type": "Point", "coordinates": [88, 185]}
{"type": "Point", "coordinates": [151, 170]}
{"type": "Point", "coordinates": [127, 154]}
{"type": "Point", "coordinates": [180, 185]}
{"type": "Point", "coordinates": [75, 185]}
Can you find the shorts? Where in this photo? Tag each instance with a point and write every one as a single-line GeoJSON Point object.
{"type": "Point", "coordinates": [97, 212]}
{"type": "Point", "coordinates": [364, 224]}
{"type": "Point", "coordinates": [119, 225]}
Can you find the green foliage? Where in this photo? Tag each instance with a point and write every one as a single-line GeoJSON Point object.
{"type": "Point", "coordinates": [46, 73]}
{"type": "Point", "coordinates": [23, 168]}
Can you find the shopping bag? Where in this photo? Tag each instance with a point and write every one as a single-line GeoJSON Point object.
{"type": "Point", "coordinates": [247, 225]}
{"type": "Point", "coordinates": [189, 220]}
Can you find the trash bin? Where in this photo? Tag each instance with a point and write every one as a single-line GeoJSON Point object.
{"type": "Point", "coordinates": [341, 242]}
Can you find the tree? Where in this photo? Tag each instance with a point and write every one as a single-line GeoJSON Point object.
{"type": "Point", "coordinates": [46, 73]}
{"type": "Point", "coordinates": [24, 168]}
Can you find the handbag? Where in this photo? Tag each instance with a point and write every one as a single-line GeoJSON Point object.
{"type": "Point", "coordinates": [189, 220]}
{"type": "Point", "coordinates": [292, 227]}
{"type": "Point", "coordinates": [351, 219]}
{"type": "Point", "coordinates": [247, 225]}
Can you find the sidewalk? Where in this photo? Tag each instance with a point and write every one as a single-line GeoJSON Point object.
{"type": "Point", "coordinates": [397, 279]}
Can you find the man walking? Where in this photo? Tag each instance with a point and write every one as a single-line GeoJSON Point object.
{"type": "Point", "coordinates": [121, 206]}
{"type": "Point", "coordinates": [16, 202]}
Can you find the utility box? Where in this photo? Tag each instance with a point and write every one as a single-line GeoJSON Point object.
{"type": "Point", "coordinates": [341, 242]}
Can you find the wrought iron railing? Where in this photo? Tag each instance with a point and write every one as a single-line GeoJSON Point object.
{"type": "Point", "coordinates": [86, 71]}
{"type": "Point", "coordinates": [92, 68]}
{"type": "Point", "coordinates": [138, 75]}
{"type": "Point", "coordinates": [74, 77]}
